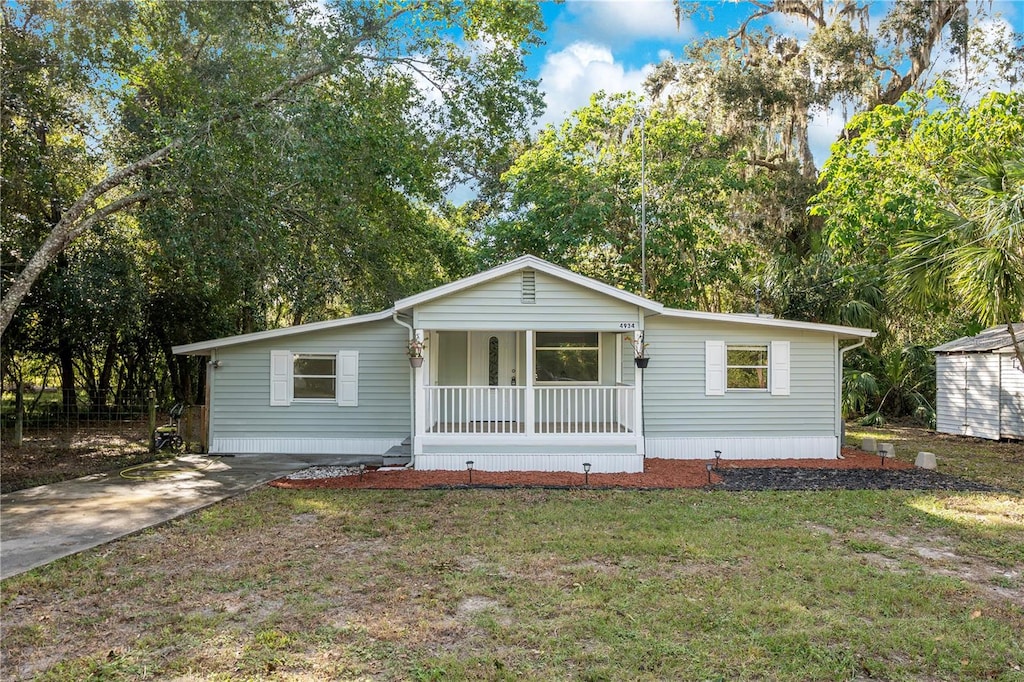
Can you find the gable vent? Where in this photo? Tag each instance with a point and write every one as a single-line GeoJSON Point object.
{"type": "Point", "coordinates": [529, 286]}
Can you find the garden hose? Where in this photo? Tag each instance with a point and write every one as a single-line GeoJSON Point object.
{"type": "Point", "coordinates": [131, 475]}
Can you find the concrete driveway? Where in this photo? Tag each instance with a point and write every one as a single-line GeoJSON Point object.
{"type": "Point", "coordinates": [39, 525]}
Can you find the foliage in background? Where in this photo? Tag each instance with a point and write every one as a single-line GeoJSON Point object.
{"type": "Point", "coordinates": [217, 168]}
{"type": "Point", "coordinates": [574, 198]}
{"type": "Point", "coordinates": [287, 162]}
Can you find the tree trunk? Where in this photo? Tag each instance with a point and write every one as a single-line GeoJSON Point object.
{"type": "Point", "coordinates": [102, 392]}
{"type": "Point", "coordinates": [66, 361]}
{"type": "Point", "coordinates": [1018, 351]}
{"type": "Point", "coordinates": [200, 396]}
{"type": "Point", "coordinates": [74, 221]}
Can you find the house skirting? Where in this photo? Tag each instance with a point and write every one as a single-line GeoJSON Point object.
{"type": "Point", "coordinates": [601, 463]}
{"type": "Point", "coordinates": [763, 447]}
{"type": "Point", "coordinates": [303, 446]}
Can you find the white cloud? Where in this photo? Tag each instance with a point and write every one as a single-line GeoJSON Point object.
{"type": "Point", "coordinates": [996, 32]}
{"type": "Point", "coordinates": [570, 76]}
{"type": "Point", "coordinates": [620, 22]}
{"type": "Point", "coordinates": [823, 129]}
{"type": "Point", "coordinates": [792, 26]}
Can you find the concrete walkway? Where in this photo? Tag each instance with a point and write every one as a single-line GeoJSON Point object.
{"type": "Point", "coordinates": [39, 525]}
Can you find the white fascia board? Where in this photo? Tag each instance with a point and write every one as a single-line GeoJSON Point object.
{"type": "Point", "coordinates": [841, 331]}
{"type": "Point", "coordinates": [204, 347]}
{"type": "Point", "coordinates": [527, 263]}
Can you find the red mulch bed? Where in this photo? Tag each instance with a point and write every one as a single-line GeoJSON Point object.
{"type": "Point", "coordinates": [658, 473]}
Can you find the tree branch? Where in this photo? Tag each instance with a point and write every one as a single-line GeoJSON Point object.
{"type": "Point", "coordinates": [71, 223]}
{"type": "Point", "coordinates": [107, 211]}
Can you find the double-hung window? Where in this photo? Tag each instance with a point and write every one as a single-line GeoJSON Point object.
{"type": "Point", "coordinates": [747, 367]}
{"type": "Point", "coordinates": [314, 377]}
{"type": "Point", "coordinates": [568, 357]}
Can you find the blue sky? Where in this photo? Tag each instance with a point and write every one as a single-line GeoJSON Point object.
{"type": "Point", "coordinates": [612, 44]}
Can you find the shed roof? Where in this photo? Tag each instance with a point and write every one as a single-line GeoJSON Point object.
{"type": "Point", "coordinates": [993, 340]}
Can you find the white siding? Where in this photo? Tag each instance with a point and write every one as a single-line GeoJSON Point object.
{"type": "Point", "coordinates": [676, 406]}
{"type": "Point", "coordinates": [498, 305]}
{"type": "Point", "coordinates": [982, 396]}
{"type": "Point", "coordinates": [772, 447]}
{"type": "Point", "coordinates": [304, 446]}
{"type": "Point", "coordinates": [242, 419]}
{"type": "Point", "coordinates": [600, 462]}
{"type": "Point", "coordinates": [1011, 399]}
{"type": "Point", "coordinates": [950, 394]}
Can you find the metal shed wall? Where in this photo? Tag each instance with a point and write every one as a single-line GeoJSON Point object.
{"type": "Point", "coordinates": [1011, 398]}
{"type": "Point", "coordinates": [967, 395]}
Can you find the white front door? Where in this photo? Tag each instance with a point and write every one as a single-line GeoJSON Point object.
{"type": "Point", "coordinates": [492, 363]}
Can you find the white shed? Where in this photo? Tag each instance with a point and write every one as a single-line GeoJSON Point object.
{"type": "Point", "coordinates": [980, 385]}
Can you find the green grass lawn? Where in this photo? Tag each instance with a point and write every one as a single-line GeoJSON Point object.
{"type": "Point", "coordinates": [539, 584]}
{"type": "Point", "coordinates": [974, 458]}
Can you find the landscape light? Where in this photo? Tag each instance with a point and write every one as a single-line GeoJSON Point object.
{"type": "Point", "coordinates": [469, 468]}
{"type": "Point", "coordinates": [586, 473]}
{"type": "Point", "coordinates": [709, 466]}
{"type": "Point", "coordinates": [718, 458]}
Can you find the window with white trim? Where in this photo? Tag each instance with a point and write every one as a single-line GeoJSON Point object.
{"type": "Point", "coordinates": [314, 377]}
{"type": "Point", "coordinates": [746, 367]}
{"type": "Point", "coordinates": [568, 357]}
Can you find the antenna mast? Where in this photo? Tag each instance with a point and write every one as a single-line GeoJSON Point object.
{"type": "Point", "coordinates": [643, 206]}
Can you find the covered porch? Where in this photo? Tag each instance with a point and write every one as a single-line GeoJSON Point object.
{"type": "Point", "coordinates": [528, 399]}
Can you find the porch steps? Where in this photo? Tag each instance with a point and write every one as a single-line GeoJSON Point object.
{"type": "Point", "coordinates": [399, 455]}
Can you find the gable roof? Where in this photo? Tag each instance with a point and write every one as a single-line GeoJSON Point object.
{"type": "Point", "coordinates": [763, 321]}
{"type": "Point", "coordinates": [992, 340]}
{"type": "Point", "coordinates": [202, 347]}
{"type": "Point", "coordinates": [517, 265]}
{"type": "Point", "coordinates": [528, 263]}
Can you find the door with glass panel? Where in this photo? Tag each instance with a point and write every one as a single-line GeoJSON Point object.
{"type": "Point", "coordinates": [492, 376]}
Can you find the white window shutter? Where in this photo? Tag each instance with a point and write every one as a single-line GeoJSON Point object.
{"type": "Point", "coordinates": [714, 367]}
{"type": "Point", "coordinates": [779, 358]}
{"type": "Point", "coordinates": [280, 378]}
{"type": "Point", "coordinates": [348, 378]}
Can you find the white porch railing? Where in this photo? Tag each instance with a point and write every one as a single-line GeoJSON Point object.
{"type": "Point", "coordinates": [503, 409]}
{"type": "Point", "coordinates": [475, 409]}
{"type": "Point", "coordinates": [584, 409]}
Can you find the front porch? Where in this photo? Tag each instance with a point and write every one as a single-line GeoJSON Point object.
{"type": "Point", "coordinates": [561, 410]}
{"type": "Point", "coordinates": [508, 400]}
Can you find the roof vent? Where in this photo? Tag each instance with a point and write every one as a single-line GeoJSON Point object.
{"type": "Point", "coordinates": [529, 286]}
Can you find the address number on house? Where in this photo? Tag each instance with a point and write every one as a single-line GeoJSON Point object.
{"type": "Point", "coordinates": [627, 325]}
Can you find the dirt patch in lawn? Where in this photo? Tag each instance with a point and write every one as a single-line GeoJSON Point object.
{"type": "Point", "coordinates": [61, 454]}
{"type": "Point", "coordinates": [935, 555]}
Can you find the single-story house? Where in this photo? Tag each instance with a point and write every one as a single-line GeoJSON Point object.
{"type": "Point", "coordinates": [529, 366]}
{"type": "Point", "coordinates": [980, 385]}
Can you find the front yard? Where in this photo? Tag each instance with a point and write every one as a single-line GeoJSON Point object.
{"type": "Point", "coordinates": [542, 584]}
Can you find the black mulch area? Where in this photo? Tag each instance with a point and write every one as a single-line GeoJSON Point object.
{"type": "Point", "coordinates": [845, 479]}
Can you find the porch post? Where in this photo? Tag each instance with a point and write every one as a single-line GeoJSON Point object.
{"type": "Point", "coordinates": [528, 403]}
{"type": "Point", "coordinates": [638, 396]}
{"type": "Point", "coordinates": [419, 403]}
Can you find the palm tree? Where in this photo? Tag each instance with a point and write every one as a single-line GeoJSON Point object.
{"type": "Point", "coordinates": [974, 254]}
